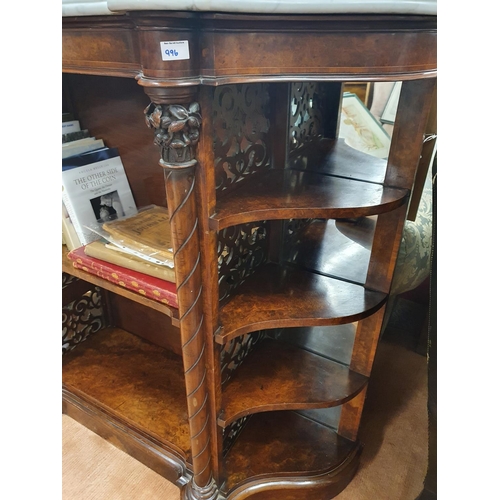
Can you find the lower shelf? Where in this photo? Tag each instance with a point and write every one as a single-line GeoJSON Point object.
{"type": "Point", "coordinates": [293, 452]}
{"type": "Point", "coordinates": [281, 376]}
{"type": "Point", "coordinates": [132, 393]}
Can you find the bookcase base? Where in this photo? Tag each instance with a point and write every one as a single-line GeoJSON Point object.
{"type": "Point", "coordinates": [157, 456]}
{"type": "Point", "coordinates": [320, 487]}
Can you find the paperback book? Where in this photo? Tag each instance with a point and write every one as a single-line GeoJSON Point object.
{"type": "Point", "coordinates": [146, 234]}
{"type": "Point", "coordinates": [80, 146]}
{"type": "Point", "coordinates": [110, 253]}
{"type": "Point", "coordinates": [75, 136]}
{"type": "Point", "coordinates": [70, 237]}
{"type": "Point", "coordinates": [70, 126]}
{"type": "Point", "coordinates": [95, 189]}
{"type": "Point", "coordinates": [149, 286]}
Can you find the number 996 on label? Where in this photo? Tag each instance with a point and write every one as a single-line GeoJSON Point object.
{"type": "Point", "coordinates": [174, 51]}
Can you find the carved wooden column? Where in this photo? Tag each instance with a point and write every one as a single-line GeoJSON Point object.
{"type": "Point", "coordinates": [176, 120]}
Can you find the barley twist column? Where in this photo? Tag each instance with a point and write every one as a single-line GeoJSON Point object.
{"type": "Point", "coordinates": [177, 131]}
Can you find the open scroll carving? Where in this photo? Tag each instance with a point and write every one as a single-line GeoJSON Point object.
{"type": "Point", "coordinates": [305, 115]}
{"type": "Point", "coordinates": [81, 318]}
{"type": "Point", "coordinates": [241, 127]}
{"type": "Point", "coordinates": [241, 249]}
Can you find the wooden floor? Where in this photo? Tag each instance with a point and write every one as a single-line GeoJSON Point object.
{"type": "Point", "coordinates": [393, 431]}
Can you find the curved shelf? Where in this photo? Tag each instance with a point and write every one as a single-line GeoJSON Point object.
{"type": "Point", "coordinates": [294, 451]}
{"type": "Point", "coordinates": [275, 297]}
{"type": "Point", "coordinates": [296, 194]}
{"type": "Point", "coordinates": [280, 376]}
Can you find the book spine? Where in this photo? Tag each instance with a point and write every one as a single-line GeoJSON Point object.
{"type": "Point", "coordinates": [70, 126]}
{"type": "Point", "coordinates": [121, 259]}
{"type": "Point", "coordinates": [74, 219]}
{"type": "Point", "coordinates": [123, 280]}
{"type": "Point", "coordinates": [98, 143]}
{"type": "Point", "coordinates": [74, 136]}
{"type": "Point", "coordinates": [71, 239]}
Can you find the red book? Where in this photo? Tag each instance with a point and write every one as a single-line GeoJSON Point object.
{"type": "Point", "coordinates": [149, 286]}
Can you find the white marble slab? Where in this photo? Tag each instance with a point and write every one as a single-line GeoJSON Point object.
{"type": "Point", "coordinates": [93, 7]}
{"type": "Point", "coordinates": [85, 8]}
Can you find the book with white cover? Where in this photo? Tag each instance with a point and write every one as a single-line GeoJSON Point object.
{"type": "Point", "coordinates": [81, 146]}
{"type": "Point", "coordinates": [70, 237]}
{"type": "Point", "coordinates": [70, 126]}
{"type": "Point", "coordinates": [95, 189]}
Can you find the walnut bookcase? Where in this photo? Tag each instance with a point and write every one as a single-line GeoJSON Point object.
{"type": "Point", "coordinates": [285, 242]}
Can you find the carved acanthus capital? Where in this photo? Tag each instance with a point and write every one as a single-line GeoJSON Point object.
{"type": "Point", "coordinates": [177, 131]}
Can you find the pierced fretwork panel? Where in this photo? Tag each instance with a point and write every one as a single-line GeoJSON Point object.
{"type": "Point", "coordinates": [305, 114]}
{"type": "Point", "coordinates": [231, 433]}
{"type": "Point", "coordinates": [81, 318]}
{"type": "Point", "coordinates": [241, 128]}
{"type": "Point", "coordinates": [233, 355]}
{"type": "Point", "coordinates": [241, 249]}
{"type": "Point", "coordinates": [314, 112]}
{"type": "Point", "coordinates": [292, 229]}
{"type": "Point", "coordinates": [67, 279]}
{"type": "Point", "coordinates": [236, 351]}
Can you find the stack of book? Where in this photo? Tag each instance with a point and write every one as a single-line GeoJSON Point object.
{"type": "Point", "coordinates": [142, 241]}
{"type": "Point", "coordinates": [75, 143]}
{"type": "Point", "coordinates": [105, 232]}
{"type": "Point", "coordinates": [75, 140]}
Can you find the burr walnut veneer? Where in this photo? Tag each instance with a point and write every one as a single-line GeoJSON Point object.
{"type": "Point", "coordinates": [285, 241]}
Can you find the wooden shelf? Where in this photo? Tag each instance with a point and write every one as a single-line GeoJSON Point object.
{"type": "Point", "coordinates": [284, 444]}
{"type": "Point", "coordinates": [296, 194]}
{"type": "Point", "coordinates": [335, 157]}
{"type": "Point", "coordinates": [280, 376]}
{"type": "Point", "coordinates": [68, 268]}
{"type": "Point", "coordinates": [135, 383]}
{"type": "Point", "coordinates": [286, 296]}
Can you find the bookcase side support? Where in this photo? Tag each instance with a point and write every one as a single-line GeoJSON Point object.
{"type": "Point", "coordinates": [206, 194]}
{"type": "Point", "coordinates": [414, 106]}
{"type": "Point", "coordinates": [177, 130]}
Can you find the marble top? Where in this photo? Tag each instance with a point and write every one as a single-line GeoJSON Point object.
{"type": "Point", "coordinates": [107, 7]}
